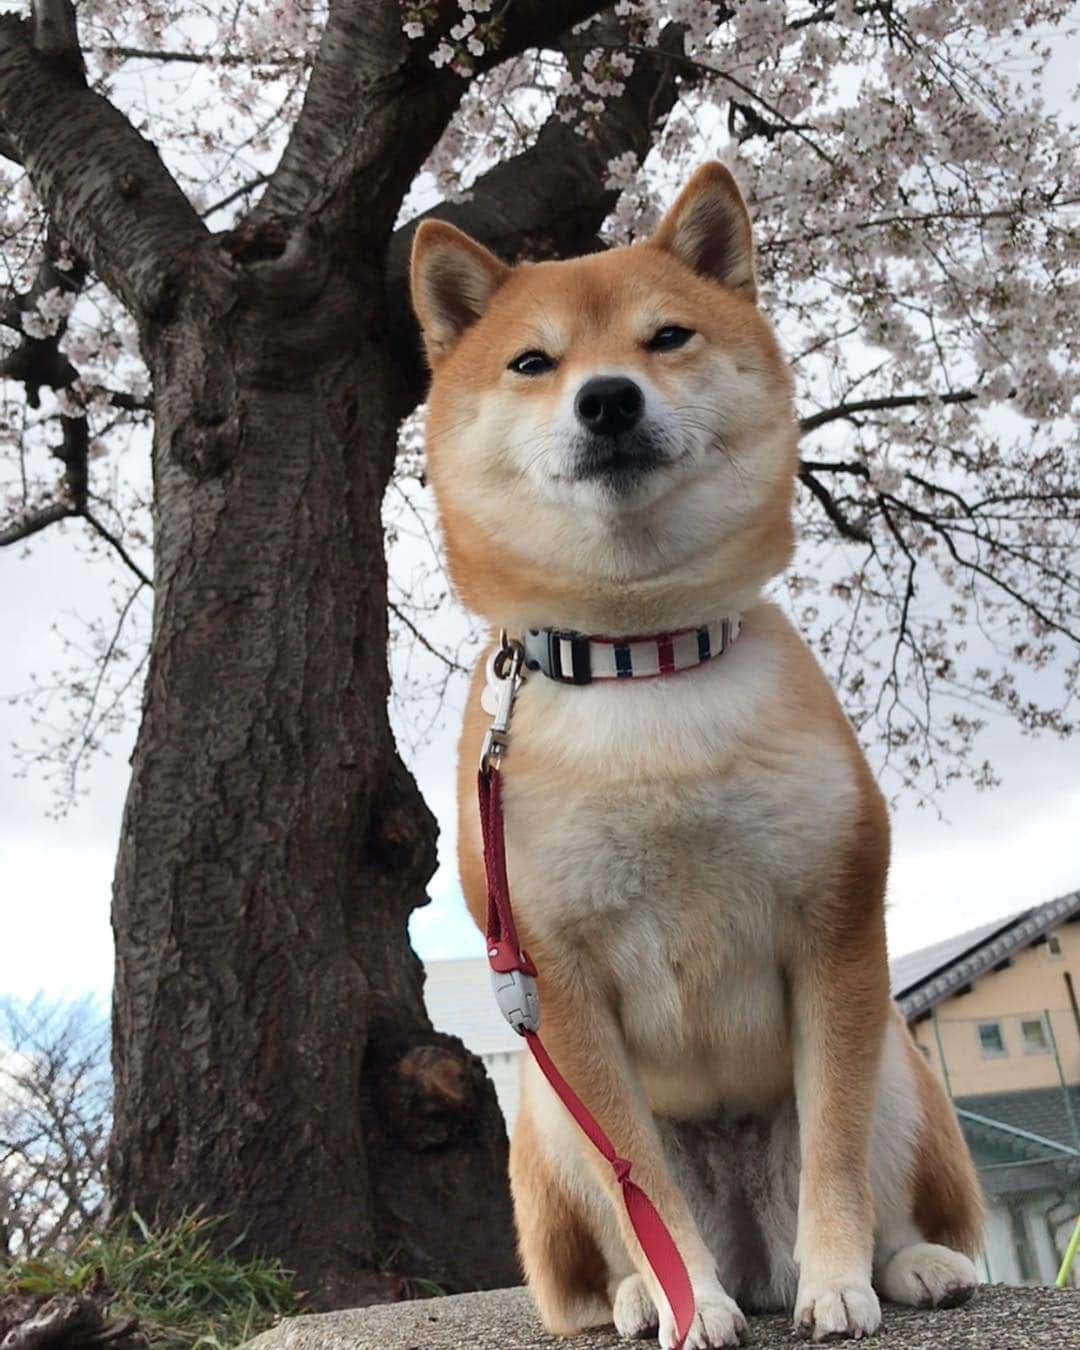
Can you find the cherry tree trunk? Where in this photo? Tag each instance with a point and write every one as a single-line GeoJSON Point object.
{"type": "Point", "coordinates": [273, 1059]}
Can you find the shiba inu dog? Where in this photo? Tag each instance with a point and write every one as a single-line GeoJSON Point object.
{"type": "Point", "coordinates": [697, 858]}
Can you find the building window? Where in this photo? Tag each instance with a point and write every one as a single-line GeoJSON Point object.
{"type": "Point", "coordinates": [1053, 946]}
{"type": "Point", "coordinates": [1036, 1041]}
{"type": "Point", "coordinates": [992, 1040]}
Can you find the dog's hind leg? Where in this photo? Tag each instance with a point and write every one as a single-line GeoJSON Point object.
{"type": "Point", "coordinates": [928, 1205]}
{"type": "Point", "coordinates": [568, 1274]}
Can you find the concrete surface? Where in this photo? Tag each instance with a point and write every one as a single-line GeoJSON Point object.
{"type": "Point", "coordinates": [999, 1318]}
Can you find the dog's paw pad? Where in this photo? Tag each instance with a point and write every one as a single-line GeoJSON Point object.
{"type": "Point", "coordinates": [926, 1275]}
{"type": "Point", "coordinates": [834, 1310]}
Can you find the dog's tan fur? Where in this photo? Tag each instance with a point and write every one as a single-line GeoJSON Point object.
{"type": "Point", "coordinates": [698, 863]}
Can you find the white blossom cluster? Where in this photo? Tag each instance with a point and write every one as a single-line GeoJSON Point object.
{"type": "Point", "coordinates": [49, 310]}
{"type": "Point", "coordinates": [465, 39]}
{"type": "Point", "coordinates": [604, 76]}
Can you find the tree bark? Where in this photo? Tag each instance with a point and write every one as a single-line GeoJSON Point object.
{"type": "Point", "coordinates": [273, 1057]}
{"type": "Point", "coordinates": [103, 183]}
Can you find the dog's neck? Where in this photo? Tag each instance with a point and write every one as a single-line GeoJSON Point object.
{"type": "Point", "coordinates": [520, 585]}
{"type": "Point", "coordinates": [626, 610]}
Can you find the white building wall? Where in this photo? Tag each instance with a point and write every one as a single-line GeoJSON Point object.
{"type": "Point", "coordinates": [1039, 1218]}
{"type": "Point", "coordinates": [1000, 1254]}
{"type": "Point", "coordinates": [1047, 1259]}
{"type": "Point", "coordinates": [504, 1070]}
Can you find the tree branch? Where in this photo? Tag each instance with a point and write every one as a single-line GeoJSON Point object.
{"type": "Point", "coordinates": [700, 70]}
{"type": "Point", "coordinates": [944, 533]}
{"type": "Point", "coordinates": [35, 521]}
{"type": "Point", "coordinates": [250, 186]}
{"type": "Point", "coordinates": [56, 34]}
{"type": "Point", "coordinates": [93, 718]}
{"type": "Point", "coordinates": [38, 362]}
{"type": "Point", "coordinates": [120, 398]}
{"type": "Point", "coordinates": [376, 104]}
{"type": "Point", "coordinates": [550, 200]}
{"type": "Point", "coordinates": [849, 411]}
{"type": "Point", "coordinates": [117, 547]}
{"type": "Point", "coordinates": [945, 529]}
{"type": "Point", "coordinates": [73, 453]}
{"type": "Point", "coordinates": [843, 524]}
{"type": "Point", "coordinates": [102, 183]}
{"type": "Point", "coordinates": [448, 661]}
{"type": "Point", "coordinates": [208, 58]}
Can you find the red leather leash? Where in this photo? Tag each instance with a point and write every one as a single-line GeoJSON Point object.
{"type": "Point", "coordinates": [520, 1005]}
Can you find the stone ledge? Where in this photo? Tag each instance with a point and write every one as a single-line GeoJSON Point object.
{"type": "Point", "coordinates": [999, 1318]}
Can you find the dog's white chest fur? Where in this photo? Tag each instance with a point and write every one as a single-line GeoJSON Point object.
{"type": "Point", "coordinates": [662, 841]}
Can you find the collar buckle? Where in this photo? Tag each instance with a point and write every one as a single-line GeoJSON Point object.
{"type": "Point", "coordinates": [568, 656]}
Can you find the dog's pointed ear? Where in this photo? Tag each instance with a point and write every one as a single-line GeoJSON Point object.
{"type": "Point", "coordinates": [708, 229]}
{"type": "Point", "coordinates": [453, 279]}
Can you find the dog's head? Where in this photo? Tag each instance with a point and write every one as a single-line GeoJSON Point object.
{"type": "Point", "coordinates": [611, 439]}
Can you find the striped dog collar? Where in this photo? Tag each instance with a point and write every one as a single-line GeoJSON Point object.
{"type": "Point", "coordinates": [574, 658]}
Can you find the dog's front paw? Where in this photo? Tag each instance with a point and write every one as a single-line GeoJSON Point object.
{"type": "Point", "coordinates": [717, 1322]}
{"type": "Point", "coordinates": [634, 1312]}
{"type": "Point", "coordinates": [829, 1309]}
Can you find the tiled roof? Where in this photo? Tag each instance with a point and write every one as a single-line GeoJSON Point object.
{"type": "Point", "coordinates": [923, 979]}
{"type": "Point", "coordinates": [910, 970]}
{"type": "Point", "coordinates": [1040, 1115]}
{"type": "Point", "coordinates": [459, 1001]}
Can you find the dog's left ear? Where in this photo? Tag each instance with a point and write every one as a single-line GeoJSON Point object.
{"type": "Point", "coordinates": [453, 278]}
{"type": "Point", "coordinates": [708, 229]}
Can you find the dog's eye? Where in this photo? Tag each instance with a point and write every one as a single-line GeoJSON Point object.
{"type": "Point", "coordinates": [669, 337]}
{"type": "Point", "coordinates": [532, 363]}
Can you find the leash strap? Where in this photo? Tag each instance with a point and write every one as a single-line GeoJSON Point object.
{"type": "Point", "coordinates": [506, 956]}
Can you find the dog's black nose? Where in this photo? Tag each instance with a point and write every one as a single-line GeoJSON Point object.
{"type": "Point", "coordinates": [609, 405]}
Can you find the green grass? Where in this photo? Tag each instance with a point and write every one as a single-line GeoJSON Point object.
{"type": "Point", "coordinates": [186, 1294]}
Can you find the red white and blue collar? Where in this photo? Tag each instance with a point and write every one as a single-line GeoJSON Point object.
{"type": "Point", "coordinates": [576, 658]}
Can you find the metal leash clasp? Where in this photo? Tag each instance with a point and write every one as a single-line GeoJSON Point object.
{"type": "Point", "coordinates": [518, 999]}
{"type": "Point", "coordinates": [505, 665]}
